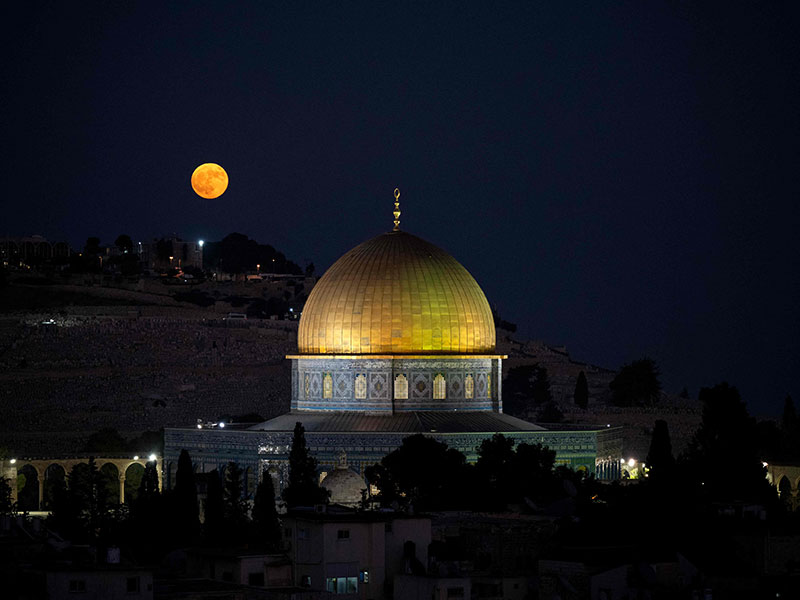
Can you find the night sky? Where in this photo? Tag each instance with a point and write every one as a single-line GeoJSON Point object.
{"type": "Point", "coordinates": [619, 178]}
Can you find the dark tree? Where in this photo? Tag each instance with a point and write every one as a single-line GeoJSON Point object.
{"type": "Point", "coordinates": [124, 243]}
{"type": "Point", "coordinates": [636, 384]}
{"type": "Point", "coordinates": [81, 511]}
{"type": "Point", "coordinates": [422, 471]}
{"type": "Point", "coordinates": [549, 413]}
{"type": "Point", "coordinates": [723, 457]}
{"type": "Point", "coordinates": [214, 523]}
{"type": "Point", "coordinates": [581, 395]}
{"type": "Point", "coordinates": [659, 459]}
{"type": "Point", "coordinates": [684, 393]}
{"type": "Point", "coordinates": [6, 505]}
{"type": "Point", "coordinates": [185, 517]}
{"type": "Point", "coordinates": [106, 440]}
{"type": "Point", "coordinates": [496, 478]}
{"type": "Point", "coordinates": [92, 246]}
{"type": "Point", "coordinates": [541, 387]}
{"type": "Point", "coordinates": [524, 387]}
{"type": "Point", "coordinates": [533, 465]}
{"type": "Point", "coordinates": [303, 488]}
{"type": "Point", "coordinates": [235, 505]}
{"type": "Point", "coordinates": [266, 525]}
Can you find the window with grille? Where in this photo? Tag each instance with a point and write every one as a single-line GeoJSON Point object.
{"type": "Point", "coordinates": [439, 387]}
{"type": "Point", "coordinates": [401, 387]}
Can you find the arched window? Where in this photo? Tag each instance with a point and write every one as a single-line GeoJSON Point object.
{"type": "Point", "coordinates": [307, 385]}
{"type": "Point", "coordinates": [401, 387]}
{"type": "Point", "coordinates": [439, 387]}
{"type": "Point", "coordinates": [361, 387]}
{"type": "Point", "coordinates": [469, 387]}
{"type": "Point", "coordinates": [327, 386]}
{"type": "Point", "coordinates": [489, 385]}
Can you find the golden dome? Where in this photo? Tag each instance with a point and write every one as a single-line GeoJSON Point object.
{"type": "Point", "coordinates": [396, 294]}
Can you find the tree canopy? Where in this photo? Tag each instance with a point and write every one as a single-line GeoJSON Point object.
{"type": "Point", "coordinates": [303, 488]}
{"type": "Point", "coordinates": [636, 384]}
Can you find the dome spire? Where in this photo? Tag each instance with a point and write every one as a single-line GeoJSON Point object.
{"type": "Point", "coordinates": [396, 211]}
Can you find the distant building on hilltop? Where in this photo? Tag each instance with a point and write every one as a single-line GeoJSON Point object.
{"type": "Point", "coordinates": [170, 253]}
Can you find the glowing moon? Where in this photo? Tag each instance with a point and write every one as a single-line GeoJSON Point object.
{"type": "Point", "coordinates": [209, 180]}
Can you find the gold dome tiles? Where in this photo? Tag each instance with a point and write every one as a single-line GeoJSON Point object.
{"type": "Point", "coordinates": [396, 294]}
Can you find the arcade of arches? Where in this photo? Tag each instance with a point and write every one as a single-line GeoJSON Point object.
{"type": "Point", "coordinates": [37, 478]}
{"type": "Point", "coordinates": [787, 479]}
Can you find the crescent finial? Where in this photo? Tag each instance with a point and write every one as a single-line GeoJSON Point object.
{"type": "Point", "coordinates": [396, 211]}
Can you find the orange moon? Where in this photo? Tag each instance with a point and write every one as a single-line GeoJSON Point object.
{"type": "Point", "coordinates": [209, 180]}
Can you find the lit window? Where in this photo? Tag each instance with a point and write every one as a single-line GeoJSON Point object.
{"type": "Point", "coordinates": [363, 576]}
{"type": "Point", "coordinates": [361, 387]}
{"type": "Point", "coordinates": [439, 386]}
{"type": "Point", "coordinates": [469, 387]}
{"type": "Point", "coordinates": [327, 386]}
{"type": "Point", "coordinates": [307, 385]}
{"type": "Point", "coordinates": [342, 585]}
{"type": "Point", "coordinates": [401, 387]}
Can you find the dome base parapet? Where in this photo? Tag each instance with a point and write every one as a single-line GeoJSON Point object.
{"type": "Point", "coordinates": [390, 384]}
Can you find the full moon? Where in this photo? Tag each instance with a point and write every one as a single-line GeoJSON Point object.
{"type": "Point", "coordinates": [209, 180]}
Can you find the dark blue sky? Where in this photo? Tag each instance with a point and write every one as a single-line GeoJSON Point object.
{"type": "Point", "coordinates": [620, 179]}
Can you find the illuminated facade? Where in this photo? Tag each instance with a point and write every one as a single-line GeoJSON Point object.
{"type": "Point", "coordinates": [397, 338]}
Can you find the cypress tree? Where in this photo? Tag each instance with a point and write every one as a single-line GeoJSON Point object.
{"type": "Point", "coordinates": [234, 504]}
{"type": "Point", "coordinates": [214, 508]}
{"type": "Point", "coordinates": [659, 459]}
{"type": "Point", "coordinates": [186, 517]}
{"type": "Point", "coordinates": [303, 488]}
{"type": "Point", "coordinates": [266, 525]}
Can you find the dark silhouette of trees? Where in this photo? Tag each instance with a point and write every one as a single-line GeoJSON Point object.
{"type": "Point", "coordinates": [234, 503]}
{"type": "Point", "coordinates": [581, 395]}
{"type": "Point", "coordinates": [107, 440]}
{"type": "Point", "coordinates": [81, 510]}
{"type": "Point", "coordinates": [636, 384]}
{"type": "Point", "coordinates": [660, 461]}
{"type": "Point", "coordinates": [508, 475]}
{"type": "Point", "coordinates": [723, 458]}
{"type": "Point", "coordinates": [92, 246]}
{"type": "Point", "coordinates": [6, 504]}
{"type": "Point", "coordinates": [549, 413]}
{"type": "Point", "coordinates": [526, 386]}
{"type": "Point", "coordinates": [266, 525]}
{"type": "Point", "coordinates": [303, 488]}
{"type": "Point", "coordinates": [214, 523]}
{"type": "Point", "coordinates": [422, 472]}
{"type": "Point", "coordinates": [124, 243]}
{"type": "Point", "coordinates": [185, 510]}
{"type": "Point", "coordinates": [236, 253]}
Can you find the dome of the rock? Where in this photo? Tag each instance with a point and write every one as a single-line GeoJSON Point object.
{"type": "Point", "coordinates": [396, 294]}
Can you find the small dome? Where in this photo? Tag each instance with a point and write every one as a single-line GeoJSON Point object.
{"type": "Point", "coordinates": [396, 294]}
{"type": "Point", "coordinates": [344, 485]}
